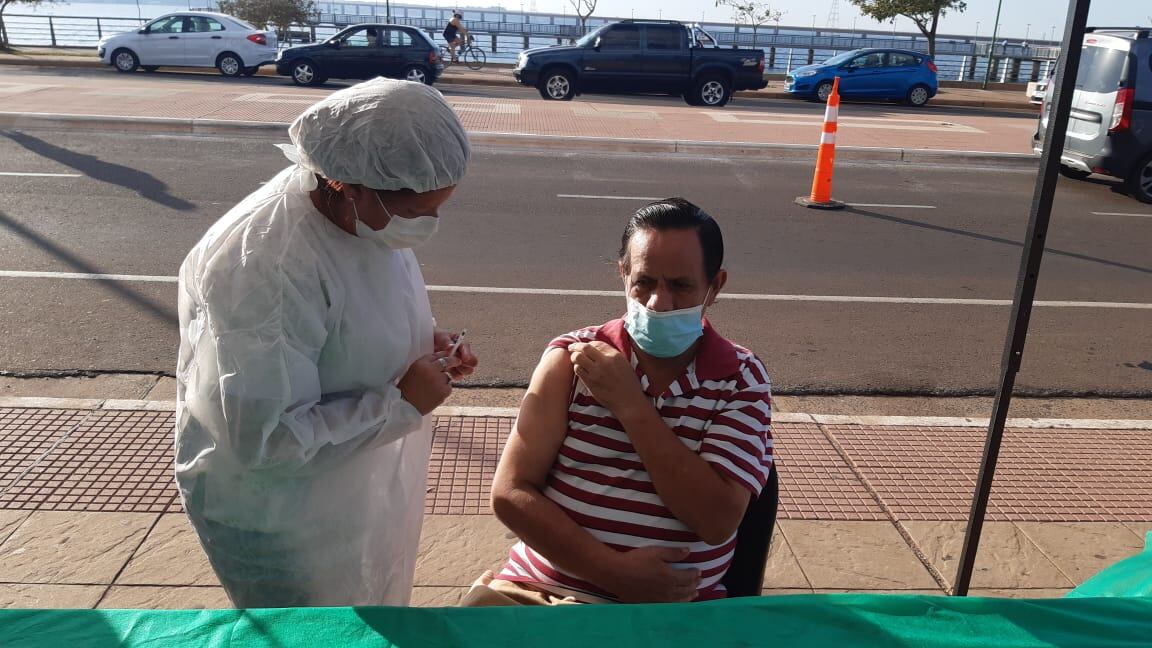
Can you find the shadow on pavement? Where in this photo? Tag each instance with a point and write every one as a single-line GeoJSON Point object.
{"type": "Point", "coordinates": [154, 309]}
{"type": "Point", "coordinates": [146, 185]}
{"type": "Point", "coordinates": [994, 239]}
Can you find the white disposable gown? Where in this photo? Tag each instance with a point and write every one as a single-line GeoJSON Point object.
{"type": "Point", "coordinates": [300, 465]}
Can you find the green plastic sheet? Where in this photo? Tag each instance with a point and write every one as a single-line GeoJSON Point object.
{"type": "Point", "coordinates": [1111, 610]}
{"type": "Point", "coordinates": [1129, 577]}
{"type": "Point", "coordinates": [857, 620]}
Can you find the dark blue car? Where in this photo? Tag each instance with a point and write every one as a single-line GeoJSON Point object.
{"type": "Point", "coordinates": [899, 75]}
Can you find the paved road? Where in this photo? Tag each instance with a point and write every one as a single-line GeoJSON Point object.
{"type": "Point", "coordinates": [139, 203]}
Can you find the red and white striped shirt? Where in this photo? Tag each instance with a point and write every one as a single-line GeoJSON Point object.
{"type": "Point", "coordinates": [720, 407]}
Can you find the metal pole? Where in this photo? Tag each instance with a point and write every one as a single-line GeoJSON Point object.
{"type": "Point", "coordinates": [1030, 258]}
{"type": "Point", "coordinates": [992, 44]}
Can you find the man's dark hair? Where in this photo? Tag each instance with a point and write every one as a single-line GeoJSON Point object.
{"type": "Point", "coordinates": [678, 213]}
{"type": "Point", "coordinates": [458, 15]}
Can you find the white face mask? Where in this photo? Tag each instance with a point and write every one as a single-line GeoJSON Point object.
{"type": "Point", "coordinates": [399, 233]}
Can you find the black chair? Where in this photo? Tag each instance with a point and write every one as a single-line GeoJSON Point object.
{"type": "Point", "coordinates": [746, 575]}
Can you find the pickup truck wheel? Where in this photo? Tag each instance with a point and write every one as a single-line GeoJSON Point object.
{"type": "Point", "coordinates": [557, 85]}
{"type": "Point", "coordinates": [823, 91]}
{"type": "Point", "coordinates": [712, 91]}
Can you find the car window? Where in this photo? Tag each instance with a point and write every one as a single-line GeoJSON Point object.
{"type": "Point", "coordinates": [1102, 69]}
{"type": "Point", "coordinates": [900, 59]}
{"type": "Point", "coordinates": [170, 25]}
{"type": "Point", "coordinates": [201, 24]}
{"type": "Point", "coordinates": [873, 60]}
{"type": "Point", "coordinates": [397, 38]}
{"type": "Point", "coordinates": [621, 37]}
{"type": "Point", "coordinates": [664, 38]}
{"type": "Point", "coordinates": [360, 38]}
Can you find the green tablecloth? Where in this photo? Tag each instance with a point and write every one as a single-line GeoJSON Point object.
{"type": "Point", "coordinates": [1111, 610]}
{"type": "Point", "coordinates": [857, 620]}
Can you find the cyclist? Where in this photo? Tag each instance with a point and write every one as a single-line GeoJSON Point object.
{"type": "Point", "coordinates": [455, 33]}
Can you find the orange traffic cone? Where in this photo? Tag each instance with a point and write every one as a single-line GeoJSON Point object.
{"type": "Point", "coordinates": [821, 196]}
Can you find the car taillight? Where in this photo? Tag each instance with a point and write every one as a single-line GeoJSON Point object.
{"type": "Point", "coordinates": [932, 66]}
{"type": "Point", "coordinates": [259, 39]}
{"type": "Point", "coordinates": [433, 57]}
{"type": "Point", "coordinates": [1122, 113]}
{"type": "Point", "coordinates": [761, 66]}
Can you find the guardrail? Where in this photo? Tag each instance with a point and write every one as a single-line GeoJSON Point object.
{"type": "Point", "coordinates": [65, 31]}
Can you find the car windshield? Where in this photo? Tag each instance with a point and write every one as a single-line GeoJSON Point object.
{"type": "Point", "coordinates": [841, 58]}
{"type": "Point", "coordinates": [591, 37]}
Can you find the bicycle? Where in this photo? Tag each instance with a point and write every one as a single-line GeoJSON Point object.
{"type": "Point", "coordinates": [472, 56]}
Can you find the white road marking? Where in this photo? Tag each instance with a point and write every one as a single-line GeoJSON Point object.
{"type": "Point", "coordinates": [1121, 214]}
{"type": "Point", "coordinates": [87, 276]}
{"type": "Point", "coordinates": [266, 97]}
{"type": "Point", "coordinates": [876, 205]}
{"type": "Point", "coordinates": [486, 107]}
{"type": "Point", "coordinates": [850, 122]}
{"type": "Point", "coordinates": [16, 174]}
{"type": "Point", "coordinates": [588, 197]}
{"type": "Point", "coordinates": [566, 292]}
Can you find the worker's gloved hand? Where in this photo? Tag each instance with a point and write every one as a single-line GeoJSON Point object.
{"type": "Point", "coordinates": [428, 382]}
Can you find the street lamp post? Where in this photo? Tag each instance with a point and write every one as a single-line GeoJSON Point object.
{"type": "Point", "coordinates": [1027, 32]}
{"type": "Point", "coordinates": [992, 44]}
{"type": "Point", "coordinates": [976, 36]}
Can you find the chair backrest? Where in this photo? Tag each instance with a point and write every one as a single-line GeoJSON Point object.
{"type": "Point", "coordinates": [745, 576]}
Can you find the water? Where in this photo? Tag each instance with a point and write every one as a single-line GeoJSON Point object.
{"type": "Point", "coordinates": [74, 32]}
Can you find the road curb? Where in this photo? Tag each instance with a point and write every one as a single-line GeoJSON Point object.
{"type": "Point", "coordinates": [510, 82]}
{"type": "Point", "coordinates": [182, 126]}
{"type": "Point", "coordinates": [17, 402]}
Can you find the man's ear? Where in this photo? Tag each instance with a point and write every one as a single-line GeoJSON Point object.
{"type": "Point", "coordinates": [718, 284]}
{"type": "Point", "coordinates": [622, 271]}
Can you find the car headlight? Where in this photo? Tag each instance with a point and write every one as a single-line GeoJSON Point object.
{"type": "Point", "coordinates": [521, 61]}
{"type": "Point", "coordinates": [804, 74]}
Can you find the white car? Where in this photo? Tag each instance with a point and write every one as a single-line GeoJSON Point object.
{"type": "Point", "coordinates": [191, 39]}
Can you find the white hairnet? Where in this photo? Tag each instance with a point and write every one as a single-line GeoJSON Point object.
{"type": "Point", "coordinates": [383, 134]}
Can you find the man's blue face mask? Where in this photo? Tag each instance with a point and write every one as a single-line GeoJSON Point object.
{"type": "Point", "coordinates": [664, 334]}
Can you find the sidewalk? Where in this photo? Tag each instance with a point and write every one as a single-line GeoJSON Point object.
{"type": "Point", "coordinates": [192, 103]}
{"type": "Point", "coordinates": [89, 515]}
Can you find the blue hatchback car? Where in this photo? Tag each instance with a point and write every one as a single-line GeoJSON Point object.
{"type": "Point", "coordinates": [899, 75]}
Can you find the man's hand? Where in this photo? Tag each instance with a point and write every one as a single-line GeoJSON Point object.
{"type": "Point", "coordinates": [608, 375]}
{"type": "Point", "coordinates": [644, 575]}
{"type": "Point", "coordinates": [442, 341]}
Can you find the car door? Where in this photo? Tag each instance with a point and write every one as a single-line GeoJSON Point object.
{"type": "Point", "coordinates": [394, 54]}
{"type": "Point", "coordinates": [163, 42]}
{"type": "Point", "coordinates": [353, 55]}
{"type": "Point", "coordinates": [613, 63]}
{"type": "Point", "coordinates": [204, 41]}
{"type": "Point", "coordinates": [862, 76]}
{"type": "Point", "coordinates": [666, 57]}
{"type": "Point", "coordinates": [902, 70]}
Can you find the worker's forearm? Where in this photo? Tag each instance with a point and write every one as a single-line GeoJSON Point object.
{"type": "Point", "coordinates": [545, 527]}
{"type": "Point", "coordinates": [691, 488]}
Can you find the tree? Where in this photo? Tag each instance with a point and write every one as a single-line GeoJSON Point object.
{"type": "Point", "coordinates": [4, 4]}
{"type": "Point", "coordinates": [749, 12]}
{"type": "Point", "coordinates": [925, 13]}
{"type": "Point", "coordinates": [584, 10]}
{"type": "Point", "coordinates": [281, 14]}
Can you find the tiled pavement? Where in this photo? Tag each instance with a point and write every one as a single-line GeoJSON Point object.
{"type": "Point", "coordinates": [89, 514]}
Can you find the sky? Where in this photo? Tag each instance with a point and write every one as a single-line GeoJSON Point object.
{"type": "Point", "coordinates": [1033, 19]}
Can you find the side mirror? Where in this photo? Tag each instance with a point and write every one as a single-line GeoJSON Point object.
{"type": "Point", "coordinates": [143, 31]}
{"type": "Point", "coordinates": [599, 41]}
{"type": "Point", "coordinates": [334, 44]}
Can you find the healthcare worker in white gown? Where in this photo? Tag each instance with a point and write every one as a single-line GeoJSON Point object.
{"type": "Point", "coordinates": [308, 358]}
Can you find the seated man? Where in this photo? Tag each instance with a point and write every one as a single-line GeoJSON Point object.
{"type": "Point", "coordinates": [640, 442]}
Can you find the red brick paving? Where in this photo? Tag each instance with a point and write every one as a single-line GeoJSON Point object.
{"type": "Point", "coordinates": [72, 460]}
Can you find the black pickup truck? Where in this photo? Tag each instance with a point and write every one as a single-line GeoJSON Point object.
{"type": "Point", "coordinates": [643, 56]}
